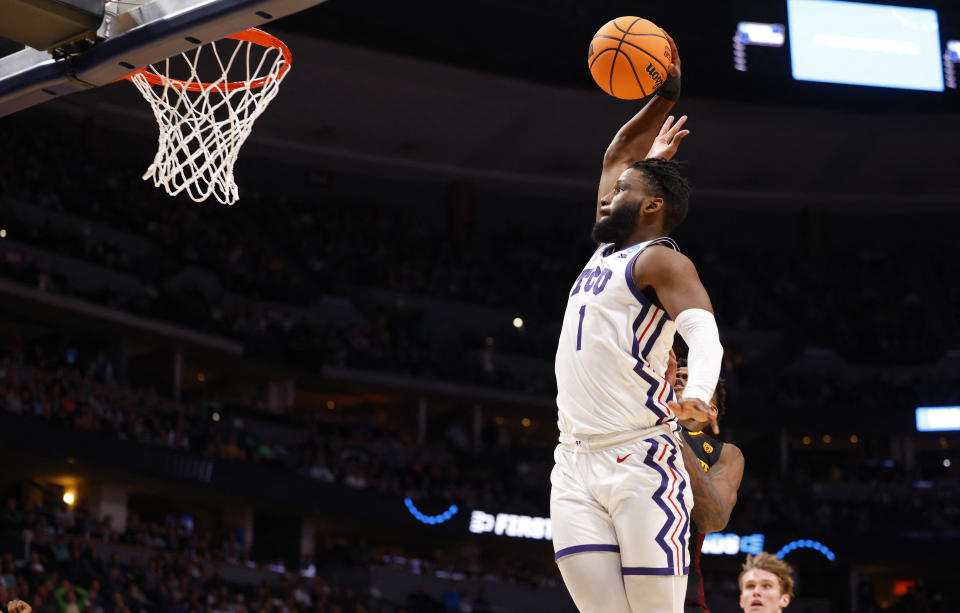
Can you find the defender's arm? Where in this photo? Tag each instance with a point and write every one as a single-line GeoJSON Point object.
{"type": "Point", "coordinates": [635, 138]}
{"type": "Point", "coordinates": [714, 490]}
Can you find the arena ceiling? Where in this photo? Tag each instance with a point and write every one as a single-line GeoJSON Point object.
{"type": "Point", "coordinates": [547, 42]}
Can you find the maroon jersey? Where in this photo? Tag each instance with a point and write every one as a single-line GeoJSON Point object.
{"type": "Point", "coordinates": [707, 449]}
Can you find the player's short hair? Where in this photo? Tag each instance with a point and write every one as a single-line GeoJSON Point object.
{"type": "Point", "coordinates": [665, 180]}
{"type": "Point", "coordinates": [771, 564]}
{"type": "Point", "coordinates": [720, 397]}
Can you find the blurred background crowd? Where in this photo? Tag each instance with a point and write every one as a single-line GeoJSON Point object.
{"type": "Point", "coordinates": [313, 401]}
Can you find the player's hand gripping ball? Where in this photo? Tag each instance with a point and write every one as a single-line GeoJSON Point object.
{"type": "Point", "coordinates": [628, 57]}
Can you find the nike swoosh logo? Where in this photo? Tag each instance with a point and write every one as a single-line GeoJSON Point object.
{"type": "Point", "coordinates": [619, 459]}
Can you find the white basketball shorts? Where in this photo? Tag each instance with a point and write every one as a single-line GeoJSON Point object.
{"type": "Point", "coordinates": [626, 492]}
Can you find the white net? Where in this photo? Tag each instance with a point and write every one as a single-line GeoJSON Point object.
{"type": "Point", "coordinates": [205, 118]}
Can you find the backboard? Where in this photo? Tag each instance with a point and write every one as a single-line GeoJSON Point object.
{"type": "Point", "coordinates": [133, 34]}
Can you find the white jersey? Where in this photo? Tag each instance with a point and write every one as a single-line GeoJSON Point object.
{"type": "Point", "coordinates": [613, 349]}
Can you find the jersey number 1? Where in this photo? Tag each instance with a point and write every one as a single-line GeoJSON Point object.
{"type": "Point", "coordinates": [583, 311]}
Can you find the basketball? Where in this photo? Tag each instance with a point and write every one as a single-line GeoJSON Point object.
{"type": "Point", "coordinates": [628, 57]}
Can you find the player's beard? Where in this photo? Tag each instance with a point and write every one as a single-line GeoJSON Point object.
{"type": "Point", "coordinates": [616, 226]}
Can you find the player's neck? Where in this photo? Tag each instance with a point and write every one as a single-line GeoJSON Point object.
{"type": "Point", "coordinates": [640, 235]}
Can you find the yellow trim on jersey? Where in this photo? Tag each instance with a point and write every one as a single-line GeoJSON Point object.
{"type": "Point", "coordinates": [697, 433]}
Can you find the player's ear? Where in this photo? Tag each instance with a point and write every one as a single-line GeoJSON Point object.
{"type": "Point", "coordinates": [653, 205]}
{"type": "Point", "coordinates": [784, 601]}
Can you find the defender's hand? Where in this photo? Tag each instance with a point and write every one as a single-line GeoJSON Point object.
{"type": "Point", "coordinates": [18, 606]}
{"type": "Point", "coordinates": [668, 141]}
{"type": "Point", "coordinates": [696, 410]}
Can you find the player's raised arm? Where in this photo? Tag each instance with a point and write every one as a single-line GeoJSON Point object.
{"type": "Point", "coordinates": [675, 280]}
{"type": "Point", "coordinates": [715, 490]}
{"type": "Point", "coordinates": [635, 138]}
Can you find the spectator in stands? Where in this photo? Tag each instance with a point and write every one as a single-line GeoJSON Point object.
{"type": "Point", "coordinates": [70, 598]}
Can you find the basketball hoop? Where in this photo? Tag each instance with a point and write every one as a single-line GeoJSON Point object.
{"type": "Point", "coordinates": [204, 124]}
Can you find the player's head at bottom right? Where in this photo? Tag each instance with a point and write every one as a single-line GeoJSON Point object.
{"type": "Point", "coordinates": [766, 584]}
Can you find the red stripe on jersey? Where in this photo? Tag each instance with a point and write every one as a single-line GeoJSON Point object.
{"type": "Point", "coordinates": [645, 330]}
{"type": "Point", "coordinates": [662, 403]}
{"type": "Point", "coordinates": [673, 535]}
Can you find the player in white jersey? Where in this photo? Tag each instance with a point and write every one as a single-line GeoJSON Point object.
{"type": "Point", "coordinates": [620, 498]}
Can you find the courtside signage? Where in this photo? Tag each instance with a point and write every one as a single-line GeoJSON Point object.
{"type": "Point", "coordinates": [506, 524]}
{"type": "Point", "coordinates": [538, 528]}
{"type": "Point", "coordinates": [732, 544]}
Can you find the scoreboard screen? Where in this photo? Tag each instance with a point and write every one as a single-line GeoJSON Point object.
{"type": "Point", "coordinates": [938, 419]}
{"type": "Point", "coordinates": [865, 44]}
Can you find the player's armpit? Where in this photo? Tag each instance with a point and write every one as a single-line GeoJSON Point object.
{"type": "Point", "coordinates": [673, 277]}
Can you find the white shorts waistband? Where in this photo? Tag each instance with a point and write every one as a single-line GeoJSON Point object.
{"type": "Point", "coordinates": [595, 442]}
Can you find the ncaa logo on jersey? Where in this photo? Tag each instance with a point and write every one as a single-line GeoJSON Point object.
{"type": "Point", "coordinates": [707, 447]}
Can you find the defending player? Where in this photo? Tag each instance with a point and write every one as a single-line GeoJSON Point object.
{"type": "Point", "coordinates": [716, 469]}
{"type": "Point", "coordinates": [766, 584]}
{"type": "Point", "coordinates": [620, 501]}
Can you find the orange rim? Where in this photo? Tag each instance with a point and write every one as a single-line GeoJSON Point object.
{"type": "Point", "coordinates": [252, 35]}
